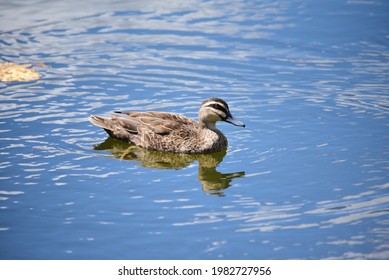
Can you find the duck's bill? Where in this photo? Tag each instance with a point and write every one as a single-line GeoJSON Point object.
{"type": "Point", "coordinates": [234, 121]}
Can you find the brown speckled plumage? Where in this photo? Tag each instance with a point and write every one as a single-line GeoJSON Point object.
{"type": "Point", "coordinates": [171, 132]}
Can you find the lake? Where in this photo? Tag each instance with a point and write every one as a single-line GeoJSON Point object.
{"type": "Point", "coordinates": [307, 178]}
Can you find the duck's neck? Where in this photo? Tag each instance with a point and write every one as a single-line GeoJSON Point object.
{"type": "Point", "coordinates": [209, 125]}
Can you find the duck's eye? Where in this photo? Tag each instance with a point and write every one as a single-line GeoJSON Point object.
{"type": "Point", "coordinates": [219, 107]}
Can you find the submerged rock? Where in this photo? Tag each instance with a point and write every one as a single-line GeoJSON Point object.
{"type": "Point", "coordinates": [12, 72]}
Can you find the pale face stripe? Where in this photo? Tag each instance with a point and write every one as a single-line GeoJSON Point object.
{"type": "Point", "coordinates": [210, 103]}
{"type": "Point", "coordinates": [219, 108]}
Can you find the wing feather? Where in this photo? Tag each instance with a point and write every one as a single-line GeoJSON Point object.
{"type": "Point", "coordinates": [158, 122]}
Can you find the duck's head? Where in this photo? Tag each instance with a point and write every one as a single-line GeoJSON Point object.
{"type": "Point", "coordinates": [215, 109]}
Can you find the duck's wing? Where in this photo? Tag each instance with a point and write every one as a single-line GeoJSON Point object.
{"type": "Point", "coordinates": [157, 122]}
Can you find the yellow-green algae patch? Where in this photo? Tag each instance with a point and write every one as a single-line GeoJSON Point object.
{"type": "Point", "coordinates": [12, 72]}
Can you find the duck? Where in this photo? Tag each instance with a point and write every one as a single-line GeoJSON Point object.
{"type": "Point", "coordinates": [171, 132]}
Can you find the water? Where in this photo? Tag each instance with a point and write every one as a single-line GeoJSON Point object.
{"type": "Point", "coordinates": [307, 178]}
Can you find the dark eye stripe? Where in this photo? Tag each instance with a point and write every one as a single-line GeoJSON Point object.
{"type": "Point", "coordinates": [218, 107]}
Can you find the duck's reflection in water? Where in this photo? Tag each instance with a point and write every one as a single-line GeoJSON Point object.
{"type": "Point", "coordinates": [212, 181]}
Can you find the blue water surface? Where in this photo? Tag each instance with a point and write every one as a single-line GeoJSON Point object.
{"type": "Point", "coordinates": [306, 179]}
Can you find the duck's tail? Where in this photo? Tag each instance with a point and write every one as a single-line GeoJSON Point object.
{"type": "Point", "coordinates": [113, 127]}
{"type": "Point", "coordinates": [102, 122]}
